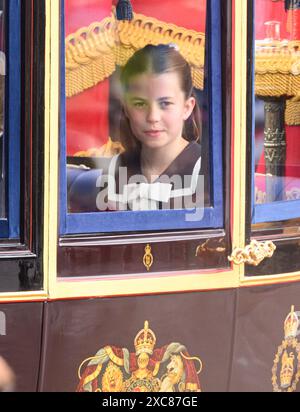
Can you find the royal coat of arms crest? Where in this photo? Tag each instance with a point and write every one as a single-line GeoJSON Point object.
{"type": "Point", "coordinates": [167, 369]}
{"type": "Point", "coordinates": [286, 368]}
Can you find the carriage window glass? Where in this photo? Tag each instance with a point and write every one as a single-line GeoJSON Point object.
{"type": "Point", "coordinates": [277, 110]}
{"type": "Point", "coordinates": [10, 118]}
{"type": "Point", "coordinates": [2, 96]}
{"type": "Point", "coordinates": [285, 228]}
{"type": "Point", "coordinates": [137, 122]}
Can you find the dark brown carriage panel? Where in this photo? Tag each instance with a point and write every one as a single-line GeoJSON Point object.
{"type": "Point", "coordinates": [78, 333]}
{"type": "Point", "coordinates": [100, 257]}
{"type": "Point", "coordinates": [284, 260]}
{"type": "Point", "coordinates": [20, 341]}
{"type": "Point", "coordinates": [266, 352]}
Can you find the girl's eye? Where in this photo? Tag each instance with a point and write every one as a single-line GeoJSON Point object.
{"type": "Point", "coordinates": [139, 105]}
{"type": "Point", "coordinates": [165, 105]}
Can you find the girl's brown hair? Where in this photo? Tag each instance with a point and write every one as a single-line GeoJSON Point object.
{"type": "Point", "coordinates": [158, 60]}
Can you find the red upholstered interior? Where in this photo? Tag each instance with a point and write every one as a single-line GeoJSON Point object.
{"type": "Point", "coordinates": [87, 113]}
{"type": "Point", "coordinates": [268, 10]}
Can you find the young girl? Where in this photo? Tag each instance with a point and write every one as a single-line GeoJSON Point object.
{"type": "Point", "coordinates": [160, 131]}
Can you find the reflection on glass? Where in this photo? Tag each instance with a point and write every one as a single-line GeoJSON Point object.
{"type": "Point", "coordinates": [2, 97]}
{"type": "Point", "coordinates": [286, 228]}
{"type": "Point", "coordinates": [137, 122]}
{"type": "Point", "coordinates": [277, 127]}
{"type": "Point", "coordinates": [272, 29]}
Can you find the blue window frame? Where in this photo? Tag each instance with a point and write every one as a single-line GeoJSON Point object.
{"type": "Point", "coordinates": [10, 220]}
{"type": "Point", "coordinates": [126, 221]}
{"type": "Point", "coordinates": [278, 210]}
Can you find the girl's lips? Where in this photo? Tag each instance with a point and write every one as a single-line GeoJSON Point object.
{"type": "Point", "coordinates": [153, 133]}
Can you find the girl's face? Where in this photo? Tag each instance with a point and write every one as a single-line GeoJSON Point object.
{"type": "Point", "coordinates": [156, 109]}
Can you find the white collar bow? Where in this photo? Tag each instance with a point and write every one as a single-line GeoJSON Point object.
{"type": "Point", "coordinates": [146, 196]}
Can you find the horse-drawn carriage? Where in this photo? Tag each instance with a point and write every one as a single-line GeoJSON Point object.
{"type": "Point", "coordinates": [149, 299]}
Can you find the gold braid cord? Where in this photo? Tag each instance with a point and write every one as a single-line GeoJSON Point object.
{"type": "Point", "coordinates": [292, 113]}
{"type": "Point", "coordinates": [277, 73]}
{"type": "Point", "coordinates": [89, 56]}
{"type": "Point", "coordinates": [93, 52]}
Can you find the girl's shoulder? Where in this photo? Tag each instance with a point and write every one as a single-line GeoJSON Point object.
{"type": "Point", "coordinates": [194, 150]}
{"type": "Point", "coordinates": [185, 162]}
{"type": "Point", "coordinates": [129, 160]}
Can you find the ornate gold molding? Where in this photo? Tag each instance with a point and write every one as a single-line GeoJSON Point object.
{"type": "Point", "coordinates": [253, 254]}
{"type": "Point", "coordinates": [292, 113]}
{"type": "Point", "coordinates": [92, 53]}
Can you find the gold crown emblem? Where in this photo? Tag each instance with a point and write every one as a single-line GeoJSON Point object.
{"type": "Point", "coordinates": [291, 325]}
{"type": "Point", "coordinates": [145, 340]}
{"type": "Point", "coordinates": [287, 369]}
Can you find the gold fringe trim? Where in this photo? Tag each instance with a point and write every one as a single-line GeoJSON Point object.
{"type": "Point", "coordinates": [277, 69]}
{"type": "Point", "coordinates": [92, 53]}
{"type": "Point", "coordinates": [292, 113]}
{"type": "Point", "coordinates": [277, 84]}
{"type": "Point", "coordinates": [277, 73]}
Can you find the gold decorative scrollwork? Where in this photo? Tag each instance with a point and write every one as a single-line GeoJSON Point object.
{"type": "Point", "coordinates": [253, 254]}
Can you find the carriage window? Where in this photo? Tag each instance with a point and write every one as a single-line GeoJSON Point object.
{"type": "Point", "coordinates": [2, 95]}
{"type": "Point", "coordinates": [10, 95]}
{"type": "Point", "coordinates": [276, 157]}
{"type": "Point", "coordinates": [22, 86]}
{"type": "Point", "coordinates": [141, 121]}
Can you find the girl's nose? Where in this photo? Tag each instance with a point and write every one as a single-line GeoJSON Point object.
{"type": "Point", "coordinates": [153, 114]}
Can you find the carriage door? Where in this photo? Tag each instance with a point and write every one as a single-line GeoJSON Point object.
{"type": "Point", "coordinates": [269, 296]}
{"type": "Point", "coordinates": [21, 188]}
